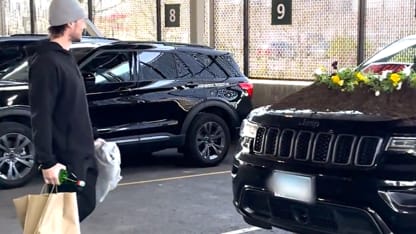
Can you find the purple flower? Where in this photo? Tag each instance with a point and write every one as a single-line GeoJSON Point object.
{"type": "Point", "coordinates": [335, 65]}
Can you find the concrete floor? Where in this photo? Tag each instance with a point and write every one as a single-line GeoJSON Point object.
{"type": "Point", "coordinates": [157, 195]}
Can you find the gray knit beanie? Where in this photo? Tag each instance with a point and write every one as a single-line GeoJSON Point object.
{"type": "Point", "coordinates": [65, 11]}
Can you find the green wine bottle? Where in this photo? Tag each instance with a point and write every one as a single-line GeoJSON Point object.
{"type": "Point", "coordinates": [65, 178]}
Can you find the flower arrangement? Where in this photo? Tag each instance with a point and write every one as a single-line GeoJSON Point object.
{"type": "Point", "coordinates": [347, 79]}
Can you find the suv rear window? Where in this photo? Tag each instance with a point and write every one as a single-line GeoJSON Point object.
{"type": "Point", "coordinates": [228, 64]}
{"type": "Point", "coordinates": [156, 65]}
{"type": "Point", "coordinates": [204, 66]}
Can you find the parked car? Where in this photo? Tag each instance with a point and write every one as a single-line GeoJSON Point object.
{"type": "Point", "coordinates": [156, 95]}
{"type": "Point", "coordinates": [324, 171]}
{"type": "Point", "coordinates": [319, 49]}
{"type": "Point", "coordinates": [277, 50]}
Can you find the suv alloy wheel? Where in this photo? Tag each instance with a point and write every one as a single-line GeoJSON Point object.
{"type": "Point", "coordinates": [17, 154]}
{"type": "Point", "coordinates": [208, 140]}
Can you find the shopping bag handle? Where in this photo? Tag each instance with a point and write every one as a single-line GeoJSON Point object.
{"type": "Point", "coordinates": [45, 188]}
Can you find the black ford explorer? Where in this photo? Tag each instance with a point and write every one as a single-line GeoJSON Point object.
{"type": "Point", "coordinates": [330, 172]}
{"type": "Point", "coordinates": [154, 95]}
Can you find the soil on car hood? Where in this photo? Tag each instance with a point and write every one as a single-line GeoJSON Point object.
{"type": "Point", "coordinates": [399, 104]}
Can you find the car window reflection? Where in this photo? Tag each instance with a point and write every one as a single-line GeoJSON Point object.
{"type": "Point", "coordinates": [111, 67]}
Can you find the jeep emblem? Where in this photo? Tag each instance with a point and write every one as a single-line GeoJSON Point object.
{"type": "Point", "coordinates": [309, 123]}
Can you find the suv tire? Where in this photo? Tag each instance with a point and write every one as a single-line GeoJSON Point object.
{"type": "Point", "coordinates": [208, 140]}
{"type": "Point", "coordinates": [17, 155]}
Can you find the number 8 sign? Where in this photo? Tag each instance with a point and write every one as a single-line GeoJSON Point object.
{"type": "Point", "coordinates": [172, 15]}
{"type": "Point", "coordinates": [281, 12]}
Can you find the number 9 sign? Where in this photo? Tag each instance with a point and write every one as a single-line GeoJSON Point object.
{"type": "Point", "coordinates": [281, 12]}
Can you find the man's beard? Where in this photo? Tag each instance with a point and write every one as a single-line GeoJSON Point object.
{"type": "Point", "coordinates": [75, 38]}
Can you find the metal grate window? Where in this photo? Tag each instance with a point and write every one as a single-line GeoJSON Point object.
{"type": "Point", "coordinates": [15, 17]}
{"type": "Point", "coordinates": [126, 19]}
{"type": "Point", "coordinates": [382, 29]}
{"type": "Point", "coordinates": [228, 27]}
{"type": "Point", "coordinates": [42, 16]}
{"type": "Point", "coordinates": [321, 32]}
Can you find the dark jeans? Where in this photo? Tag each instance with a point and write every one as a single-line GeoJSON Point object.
{"type": "Point", "coordinates": [85, 195]}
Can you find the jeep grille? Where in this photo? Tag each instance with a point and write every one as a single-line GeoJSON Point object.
{"type": "Point", "coordinates": [317, 147]}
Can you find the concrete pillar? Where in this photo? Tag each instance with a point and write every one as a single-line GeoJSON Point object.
{"type": "Point", "coordinates": [211, 29]}
{"type": "Point", "coordinates": [2, 18]}
{"type": "Point", "coordinates": [197, 17]}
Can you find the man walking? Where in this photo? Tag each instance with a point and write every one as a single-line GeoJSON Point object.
{"type": "Point", "coordinates": [61, 126]}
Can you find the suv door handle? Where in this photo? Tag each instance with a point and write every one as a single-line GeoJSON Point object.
{"type": "Point", "coordinates": [123, 89]}
{"type": "Point", "coordinates": [191, 84]}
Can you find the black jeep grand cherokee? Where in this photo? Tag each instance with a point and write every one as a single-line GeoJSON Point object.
{"type": "Point", "coordinates": [153, 94]}
{"type": "Point", "coordinates": [311, 171]}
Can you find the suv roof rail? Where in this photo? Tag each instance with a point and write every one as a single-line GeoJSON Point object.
{"type": "Point", "coordinates": [28, 34]}
{"type": "Point", "coordinates": [98, 37]}
{"type": "Point", "coordinates": [165, 43]}
{"type": "Point", "coordinates": [184, 44]}
{"type": "Point", "coordinates": [44, 35]}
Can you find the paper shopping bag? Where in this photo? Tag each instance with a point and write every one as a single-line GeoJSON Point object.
{"type": "Point", "coordinates": [49, 213]}
{"type": "Point", "coordinates": [29, 209]}
{"type": "Point", "coordinates": [35, 207]}
{"type": "Point", "coordinates": [60, 215]}
{"type": "Point", "coordinates": [20, 205]}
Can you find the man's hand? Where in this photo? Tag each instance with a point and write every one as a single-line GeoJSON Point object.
{"type": "Point", "coordinates": [51, 175]}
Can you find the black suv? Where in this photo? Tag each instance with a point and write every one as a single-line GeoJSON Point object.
{"type": "Point", "coordinates": [322, 171]}
{"type": "Point", "coordinates": [156, 95]}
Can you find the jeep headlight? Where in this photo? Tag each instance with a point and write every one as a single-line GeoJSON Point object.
{"type": "Point", "coordinates": [402, 144]}
{"type": "Point", "coordinates": [248, 129]}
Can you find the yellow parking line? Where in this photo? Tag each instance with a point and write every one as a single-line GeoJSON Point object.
{"type": "Point", "coordinates": [173, 178]}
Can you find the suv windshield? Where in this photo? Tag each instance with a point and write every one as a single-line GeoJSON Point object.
{"type": "Point", "coordinates": [18, 70]}
{"type": "Point", "coordinates": [12, 53]}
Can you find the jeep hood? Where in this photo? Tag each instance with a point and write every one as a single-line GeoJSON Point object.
{"type": "Point", "coordinates": [352, 115]}
{"type": "Point", "coordinates": [345, 121]}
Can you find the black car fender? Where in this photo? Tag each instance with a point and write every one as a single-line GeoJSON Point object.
{"type": "Point", "coordinates": [15, 110]}
{"type": "Point", "coordinates": [20, 114]}
{"type": "Point", "coordinates": [232, 115]}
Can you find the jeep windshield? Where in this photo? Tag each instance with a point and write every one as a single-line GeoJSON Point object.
{"type": "Point", "coordinates": [394, 57]}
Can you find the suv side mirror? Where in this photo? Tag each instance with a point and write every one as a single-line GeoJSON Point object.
{"type": "Point", "coordinates": [89, 78]}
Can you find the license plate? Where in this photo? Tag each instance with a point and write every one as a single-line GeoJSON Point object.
{"type": "Point", "coordinates": [293, 186]}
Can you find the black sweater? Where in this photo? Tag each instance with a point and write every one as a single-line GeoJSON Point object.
{"type": "Point", "coordinates": [59, 112]}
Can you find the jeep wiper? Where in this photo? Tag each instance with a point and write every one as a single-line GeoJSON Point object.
{"type": "Point", "coordinates": [154, 69]}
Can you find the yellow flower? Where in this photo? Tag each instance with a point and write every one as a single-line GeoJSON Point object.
{"type": "Point", "coordinates": [395, 78]}
{"type": "Point", "coordinates": [362, 77]}
{"type": "Point", "coordinates": [337, 80]}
